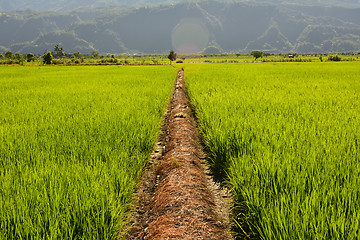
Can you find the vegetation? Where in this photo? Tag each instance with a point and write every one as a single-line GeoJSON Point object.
{"type": "Point", "coordinates": [59, 51]}
{"type": "Point", "coordinates": [257, 54]}
{"type": "Point", "coordinates": [73, 142]}
{"type": "Point", "coordinates": [285, 138]}
{"type": "Point", "coordinates": [122, 59]}
{"type": "Point", "coordinates": [334, 58]}
{"type": "Point", "coordinates": [172, 56]}
{"type": "Point", "coordinates": [30, 57]}
{"type": "Point", "coordinates": [9, 55]}
{"type": "Point", "coordinates": [47, 58]}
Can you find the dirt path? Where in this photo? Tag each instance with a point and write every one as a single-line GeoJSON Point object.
{"type": "Point", "coordinates": [177, 198]}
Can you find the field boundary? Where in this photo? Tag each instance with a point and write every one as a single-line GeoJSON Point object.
{"type": "Point", "coordinates": [177, 198]}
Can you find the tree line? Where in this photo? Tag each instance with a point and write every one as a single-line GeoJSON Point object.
{"type": "Point", "coordinates": [46, 58]}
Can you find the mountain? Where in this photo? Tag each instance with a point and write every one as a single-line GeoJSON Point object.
{"type": "Point", "coordinates": [227, 26]}
{"type": "Point", "coordinates": [69, 5]}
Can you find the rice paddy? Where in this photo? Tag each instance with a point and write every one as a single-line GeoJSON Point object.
{"type": "Point", "coordinates": [73, 142]}
{"type": "Point", "coordinates": [285, 139]}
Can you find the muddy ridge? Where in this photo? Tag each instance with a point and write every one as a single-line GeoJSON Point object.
{"type": "Point", "coordinates": [177, 198]}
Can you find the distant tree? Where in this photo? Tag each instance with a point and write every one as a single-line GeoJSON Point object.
{"type": "Point", "coordinates": [257, 54]}
{"type": "Point", "coordinates": [47, 58]}
{"type": "Point", "coordinates": [172, 56]}
{"type": "Point", "coordinates": [1, 56]}
{"type": "Point", "coordinates": [18, 57]}
{"type": "Point", "coordinates": [78, 55]}
{"type": "Point", "coordinates": [334, 58]}
{"type": "Point", "coordinates": [9, 55]}
{"type": "Point", "coordinates": [59, 51]}
{"type": "Point", "coordinates": [30, 57]}
{"type": "Point", "coordinates": [95, 54]}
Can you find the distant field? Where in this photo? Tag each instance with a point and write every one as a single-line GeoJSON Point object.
{"type": "Point", "coordinates": [73, 141]}
{"type": "Point", "coordinates": [286, 138]}
{"type": "Point", "coordinates": [162, 59]}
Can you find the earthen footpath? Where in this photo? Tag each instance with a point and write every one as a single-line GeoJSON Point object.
{"type": "Point", "coordinates": [177, 198]}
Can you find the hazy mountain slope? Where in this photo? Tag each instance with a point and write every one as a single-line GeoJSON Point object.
{"type": "Point", "coordinates": [185, 27]}
{"type": "Point", "coordinates": [69, 5]}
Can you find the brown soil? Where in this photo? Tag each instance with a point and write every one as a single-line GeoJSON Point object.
{"type": "Point", "coordinates": [177, 198]}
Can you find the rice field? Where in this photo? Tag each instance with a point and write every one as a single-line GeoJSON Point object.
{"type": "Point", "coordinates": [73, 142]}
{"type": "Point", "coordinates": [285, 138]}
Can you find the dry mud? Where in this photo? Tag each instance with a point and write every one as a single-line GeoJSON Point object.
{"type": "Point", "coordinates": [177, 197]}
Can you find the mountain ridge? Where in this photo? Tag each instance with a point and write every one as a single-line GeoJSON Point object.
{"type": "Point", "coordinates": [186, 26]}
{"type": "Point", "coordinates": [69, 5]}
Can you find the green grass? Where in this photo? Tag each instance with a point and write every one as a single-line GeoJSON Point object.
{"type": "Point", "coordinates": [286, 138]}
{"type": "Point", "coordinates": [73, 141]}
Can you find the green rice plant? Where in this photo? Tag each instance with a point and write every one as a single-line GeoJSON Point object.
{"type": "Point", "coordinates": [285, 138]}
{"type": "Point", "coordinates": [73, 142]}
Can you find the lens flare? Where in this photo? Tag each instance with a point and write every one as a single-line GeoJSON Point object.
{"type": "Point", "coordinates": [190, 35]}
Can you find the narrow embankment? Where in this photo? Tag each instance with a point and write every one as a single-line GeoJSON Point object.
{"type": "Point", "coordinates": [177, 198]}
